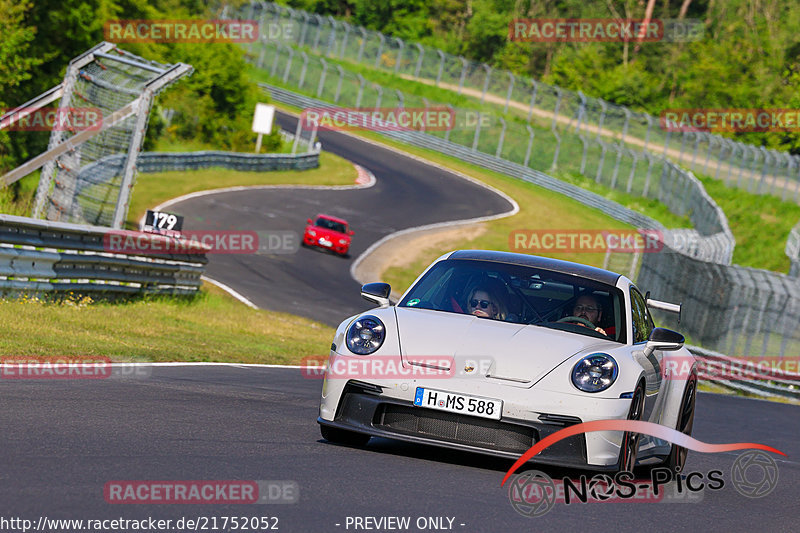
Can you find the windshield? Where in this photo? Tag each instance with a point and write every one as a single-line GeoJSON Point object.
{"type": "Point", "coordinates": [330, 224]}
{"type": "Point", "coordinates": [521, 295]}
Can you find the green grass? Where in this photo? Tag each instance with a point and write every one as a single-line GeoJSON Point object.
{"type": "Point", "coordinates": [760, 225]}
{"type": "Point", "coordinates": [210, 327]}
{"type": "Point", "coordinates": [19, 203]}
{"type": "Point", "coordinates": [153, 189]}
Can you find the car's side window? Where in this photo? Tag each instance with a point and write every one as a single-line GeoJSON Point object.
{"type": "Point", "coordinates": [641, 321]}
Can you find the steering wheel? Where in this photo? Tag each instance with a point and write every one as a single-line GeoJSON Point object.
{"type": "Point", "coordinates": [577, 319]}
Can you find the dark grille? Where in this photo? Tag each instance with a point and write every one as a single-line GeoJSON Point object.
{"type": "Point", "coordinates": [455, 428]}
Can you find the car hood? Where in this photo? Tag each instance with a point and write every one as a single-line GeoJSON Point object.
{"type": "Point", "coordinates": [514, 353]}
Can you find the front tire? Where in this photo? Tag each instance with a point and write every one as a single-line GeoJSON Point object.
{"type": "Point", "coordinates": [676, 460]}
{"type": "Point", "coordinates": [630, 441]}
{"type": "Point", "coordinates": [343, 436]}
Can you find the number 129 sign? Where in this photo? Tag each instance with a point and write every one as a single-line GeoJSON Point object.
{"type": "Point", "coordinates": [159, 222]}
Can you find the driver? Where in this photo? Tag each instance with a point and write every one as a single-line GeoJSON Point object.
{"type": "Point", "coordinates": [588, 308]}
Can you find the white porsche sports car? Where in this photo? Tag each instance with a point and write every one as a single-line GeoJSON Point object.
{"type": "Point", "coordinates": [491, 352]}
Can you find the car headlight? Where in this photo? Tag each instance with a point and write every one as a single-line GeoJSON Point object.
{"type": "Point", "coordinates": [594, 373]}
{"type": "Point", "coordinates": [312, 233]}
{"type": "Point", "coordinates": [365, 335]}
{"type": "Point", "coordinates": [342, 241]}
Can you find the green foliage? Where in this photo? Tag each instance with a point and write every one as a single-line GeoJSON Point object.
{"type": "Point", "coordinates": [214, 105]}
{"type": "Point", "coordinates": [749, 55]}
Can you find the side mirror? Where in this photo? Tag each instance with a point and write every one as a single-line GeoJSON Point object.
{"type": "Point", "coordinates": [308, 221]}
{"type": "Point", "coordinates": [377, 293]}
{"type": "Point", "coordinates": [663, 339]}
{"type": "Point", "coordinates": [351, 233]}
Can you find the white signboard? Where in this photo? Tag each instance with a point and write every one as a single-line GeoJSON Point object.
{"type": "Point", "coordinates": [262, 119]}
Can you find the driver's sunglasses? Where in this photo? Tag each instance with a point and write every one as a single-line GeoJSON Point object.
{"type": "Point", "coordinates": [582, 308]}
{"type": "Point", "coordinates": [484, 303]}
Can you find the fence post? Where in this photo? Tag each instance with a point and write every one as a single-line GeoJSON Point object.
{"type": "Point", "coordinates": [363, 42]}
{"type": "Point", "coordinates": [463, 74]}
{"type": "Point", "coordinates": [486, 81]}
{"type": "Point", "coordinates": [790, 163]}
{"type": "Point", "coordinates": [510, 90]}
{"type": "Point", "coordinates": [304, 31]}
{"type": "Point", "coordinates": [763, 169]}
{"type": "Point", "coordinates": [303, 70]}
{"type": "Point", "coordinates": [502, 137]}
{"type": "Point", "coordinates": [401, 45]}
{"type": "Point", "coordinates": [441, 66]}
{"type": "Point", "coordinates": [347, 29]}
{"type": "Point", "coordinates": [400, 98]}
{"type": "Point", "coordinates": [633, 170]}
{"type": "Point", "coordinates": [585, 153]}
{"type": "Point", "coordinates": [319, 31]}
{"type": "Point", "coordinates": [477, 132]}
{"type": "Point", "coordinates": [361, 82]}
{"type": "Point", "coordinates": [533, 98]}
{"type": "Point", "coordinates": [530, 145]}
{"type": "Point", "coordinates": [288, 64]}
{"type": "Point", "coordinates": [452, 114]}
{"type": "Point", "coordinates": [625, 126]}
{"type": "Point", "coordinates": [278, 47]}
{"type": "Point", "coordinates": [711, 140]}
{"type": "Point", "coordinates": [603, 109]}
{"type": "Point", "coordinates": [581, 112]}
{"type": "Point", "coordinates": [696, 147]}
{"type": "Point", "coordinates": [647, 135]}
{"type": "Point", "coordinates": [338, 84]}
{"type": "Point", "coordinates": [554, 129]}
{"type": "Point", "coordinates": [379, 90]}
{"type": "Point", "coordinates": [380, 49]}
{"type": "Point", "coordinates": [321, 83]}
{"type": "Point", "coordinates": [419, 60]}
{"type": "Point", "coordinates": [331, 38]}
{"type": "Point", "coordinates": [426, 103]}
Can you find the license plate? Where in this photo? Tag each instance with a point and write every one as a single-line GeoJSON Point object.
{"type": "Point", "coordinates": [458, 403]}
{"type": "Point", "coordinates": [324, 242]}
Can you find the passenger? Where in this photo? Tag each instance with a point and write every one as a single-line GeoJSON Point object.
{"type": "Point", "coordinates": [486, 301]}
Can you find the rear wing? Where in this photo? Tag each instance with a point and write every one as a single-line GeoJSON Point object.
{"type": "Point", "coordinates": [664, 306]}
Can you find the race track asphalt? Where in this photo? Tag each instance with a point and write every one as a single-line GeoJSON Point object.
{"type": "Point", "coordinates": [312, 282]}
{"type": "Point", "coordinates": [62, 441]}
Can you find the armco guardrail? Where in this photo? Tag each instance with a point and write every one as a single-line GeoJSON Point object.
{"type": "Point", "coordinates": [750, 376]}
{"type": "Point", "coordinates": [168, 161]}
{"type": "Point", "coordinates": [99, 173]}
{"type": "Point", "coordinates": [42, 256]}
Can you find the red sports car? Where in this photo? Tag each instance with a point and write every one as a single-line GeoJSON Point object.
{"type": "Point", "coordinates": [328, 232]}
